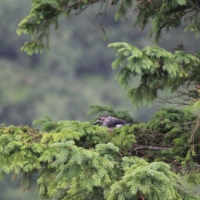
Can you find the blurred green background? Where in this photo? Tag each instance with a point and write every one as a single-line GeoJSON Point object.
{"type": "Point", "coordinates": [74, 74]}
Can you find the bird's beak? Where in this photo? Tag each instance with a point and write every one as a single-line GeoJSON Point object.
{"type": "Point", "coordinates": [96, 122]}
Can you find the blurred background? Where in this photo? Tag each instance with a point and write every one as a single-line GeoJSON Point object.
{"type": "Point", "coordinates": [74, 74]}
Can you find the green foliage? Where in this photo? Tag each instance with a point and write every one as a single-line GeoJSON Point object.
{"type": "Point", "coordinates": [165, 15]}
{"type": "Point", "coordinates": [156, 176]}
{"type": "Point", "coordinates": [79, 170]}
{"type": "Point", "coordinates": [85, 135]}
{"type": "Point", "coordinates": [159, 70]}
{"type": "Point", "coordinates": [71, 165]}
{"type": "Point", "coordinates": [42, 15]}
{"type": "Point", "coordinates": [122, 9]}
{"type": "Point", "coordinates": [47, 123]}
{"type": "Point", "coordinates": [19, 151]}
{"type": "Point", "coordinates": [77, 160]}
{"type": "Point", "coordinates": [108, 110]}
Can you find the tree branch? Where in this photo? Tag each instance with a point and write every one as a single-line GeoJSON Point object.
{"type": "Point", "coordinates": [138, 146]}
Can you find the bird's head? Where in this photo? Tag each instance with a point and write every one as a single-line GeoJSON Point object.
{"type": "Point", "coordinates": [100, 120]}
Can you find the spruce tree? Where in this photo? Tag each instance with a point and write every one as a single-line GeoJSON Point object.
{"type": "Point", "coordinates": [141, 161]}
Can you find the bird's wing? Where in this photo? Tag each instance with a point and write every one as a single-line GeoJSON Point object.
{"type": "Point", "coordinates": [111, 122]}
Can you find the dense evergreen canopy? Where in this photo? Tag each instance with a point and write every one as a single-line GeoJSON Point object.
{"type": "Point", "coordinates": [79, 160]}
{"type": "Point", "coordinates": [164, 15]}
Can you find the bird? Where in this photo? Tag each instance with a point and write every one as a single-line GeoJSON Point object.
{"type": "Point", "coordinates": [110, 121]}
{"type": "Point", "coordinates": [197, 88]}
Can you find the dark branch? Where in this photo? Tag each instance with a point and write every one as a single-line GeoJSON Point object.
{"type": "Point", "coordinates": [138, 146]}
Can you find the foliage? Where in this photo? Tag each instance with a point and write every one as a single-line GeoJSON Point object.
{"type": "Point", "coordinates": [159, 70]}
{"type": "Point", "coordinates": [42, 15]}
{"type": "Point", "coordinates": [95, 109]}
{"type": "Point", "coordinates": [77, 160]}
{"type": "Point", "coordinates": [165, 14]}
{"type": "Point", "coordinates": [156, 175]}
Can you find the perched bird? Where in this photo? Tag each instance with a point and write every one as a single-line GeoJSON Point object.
{"type": "Point", "coordinates": [197, 88]}
{"type": "Point", "coordinates": [110, 121]}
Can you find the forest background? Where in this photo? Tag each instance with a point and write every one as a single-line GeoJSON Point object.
{"type": "Point", "coordinates": [74, 74]}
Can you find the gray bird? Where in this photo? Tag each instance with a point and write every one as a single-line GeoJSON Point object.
{"type": "Point", "coordinates": [110, 121]}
